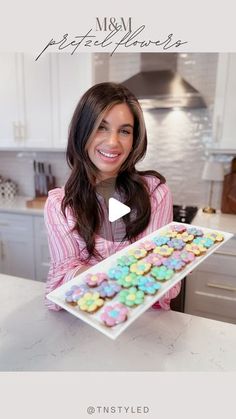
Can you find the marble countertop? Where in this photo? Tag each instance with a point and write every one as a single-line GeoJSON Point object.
{"type": "Point", "coordinates": [32, 338]}
{"type": "Point", "coordinates": [224, 222]}
{"type": "Point", "coordinates": [17, 205]}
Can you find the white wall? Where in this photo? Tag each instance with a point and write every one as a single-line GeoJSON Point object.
{"type": "Point", "coordinates": [200, 71]}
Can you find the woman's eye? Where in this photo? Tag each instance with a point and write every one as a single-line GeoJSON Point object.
{"type": "Point", "coordinates": [102, 128]}
{"type": "Point", "coordinates": [124, 132]}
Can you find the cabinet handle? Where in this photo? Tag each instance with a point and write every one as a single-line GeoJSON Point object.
{"type": "Point", "coordinates": [2, 250]}
{"type": "Point", "coordinates": [22, 131]}
{"type": "Point", "coordinates": [16, 130]}
{"type": "Point", "coordinates": [221, 286]}
{"type": "Point", "coordinates": [226, 254]}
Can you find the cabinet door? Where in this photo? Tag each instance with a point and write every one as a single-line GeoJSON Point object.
{"type": "Point", "coordinates": [38, 98]}
{"type": "Point", "coordinates": [42, 257]}
{"type": "Point", "coordinates": [17, 252]}
{"type": "Point", "coordinates": [211, 288]}
{"type": "Point", "coordinates": [37, 101]}
{"type": "Point", "coordinates": [10, 100]}
{"type": "Point", "coordinates": [224, 122]}
{"type": "Point", "coordinates": [72, 76]}
{"type": "Point", "coordinates": [25, 101]}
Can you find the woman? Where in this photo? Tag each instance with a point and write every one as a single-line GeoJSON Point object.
{"type": "Point", "coordinates": [107, 137]}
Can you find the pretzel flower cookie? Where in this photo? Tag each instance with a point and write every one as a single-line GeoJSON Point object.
{"type": "Point", "coordinates": [184, 255]}
{"type": "Point", "coordinates": [118, 272]}
{"type": "Point", "coordinates": [186, 237]}
{"type": "Point", "coordinates": [197, 249]}
{"type": "Point", "coordinates": [140, 267]}
{"type": "Point", "coordinates": [114, 314]}
{"type": "Point", "coordinates": [162, 273]}
{"type": "Point", "coordinates": [148, 245]}
{"type": "Point", "coordinates": [174, 263]}
{"type": "Point", "coordinates": [131, 297]}
{"type": "Point", "coordinates": [197, 232]}
{"type": "Point", "coordinates": [135, 277]}
{"type": "Point", "coordinates": [148, 285]}
{"type": "Point", "coordinates": [90, 302]}
{"type": "Point", "coordinates": [204, 241]}
{"type": "Point", "coordinates": [177, 244]}
{"type": "Point", "coordinates": [161, 240]}
{"type": "Point", "coordinates": [163, 250]}
{"type": "Point", "coordinates": [93, 280]}
{"type": "Point", "coordinates": [215, 236]}
{"type": "Point", "coordinates": [178, 228]}
{"type": "Point", "coordinates": [138, 253]}
{"type": "Point", "coordinates": [154, 259]}
{"type": "Point", "coordinates": [75, 293]}
{"type": "Point", "coordinates": [126, 260]}
{"type": "Point", "coordinates": [129, 280]}
{"type": "Point", "coordinates": [108, 289]}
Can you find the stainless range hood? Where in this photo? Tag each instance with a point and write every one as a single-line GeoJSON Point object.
{"type": "Point", "coordinates": [164, 89]}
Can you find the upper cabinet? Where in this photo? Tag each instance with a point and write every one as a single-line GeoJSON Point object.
{"type": "Point", "coordinates": [25, 101]}
{"type": "Point", "coordinates": [37, 94]}
{"type": "Point", "coordinates": [72, 76]}
{"type": "Point", "coordinates": [224, 119]}
{"type": "Point", "coordinates": [11, 116]}
{"type": "Point", "coordinates": [38, 97]}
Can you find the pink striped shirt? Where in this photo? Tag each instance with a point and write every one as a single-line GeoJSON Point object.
{"type": "Point", "coordinates": [68, 250]}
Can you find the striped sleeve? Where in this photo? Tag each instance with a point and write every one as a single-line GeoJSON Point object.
{"type": "Point", "coordinates": [162, 207]}
{"type": "Point", "coordinates": [63, 247]}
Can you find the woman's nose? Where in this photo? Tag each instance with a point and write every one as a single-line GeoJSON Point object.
{"type": "Point", "coordinates": [112, 137]}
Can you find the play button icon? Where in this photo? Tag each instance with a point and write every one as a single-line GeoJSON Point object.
{"type": "Point", "coordinates": [113, 226]}
{"type": "Point", "coordinates": [116, 209]}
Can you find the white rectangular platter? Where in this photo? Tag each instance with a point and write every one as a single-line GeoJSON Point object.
{"type": "Point", "coordinates": [93, 319]}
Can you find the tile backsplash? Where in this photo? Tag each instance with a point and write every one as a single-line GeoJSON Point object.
{"type": "Point", "coordinates": [18, 166]}
{"type": "Point", "coordinates": [200, 71]}
{"type": "Point", "coordinates": [176, 148]}
{"type": "Point", "coordinates": [176, 139]}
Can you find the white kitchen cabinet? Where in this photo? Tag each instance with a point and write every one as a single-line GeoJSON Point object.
{"type": "Point", "coordinates": [25, 101]}
{"type": "Point", "coordinates": [211, 288]}
{"type": "Point", "coordinates": [72, 76]}
{"type": "Point", "coordinates": [38, 128]}
{"type": "Point", "coordinates": [17, 252]}
{"type": "Point", "coordinates": [224, 121]}
{"type": "Point", "coordinates": [38, 98]}
{"type": "Point", "coordinates": [11, 100]}
{"type": "Point", "coordinates": [24, 246]}
{"type": "Point", "coordinates": [42, 257]}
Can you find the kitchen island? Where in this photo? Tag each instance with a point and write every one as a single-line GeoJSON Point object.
{"type": "Point", "coordinates": [32, 338]}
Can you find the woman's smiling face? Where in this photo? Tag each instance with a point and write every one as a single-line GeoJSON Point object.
{"type": "Point", "coordinates": [113, 141]}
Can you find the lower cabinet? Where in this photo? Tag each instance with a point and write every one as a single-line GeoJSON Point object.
{"type": "Point", "coordinates": [211, 288]}
{"type": "Point", "coordinates": [17, 250]}
{"type": "Point", "coordinates": [42, 257]}
{"type": "Point", "coordinates": [23, 246]}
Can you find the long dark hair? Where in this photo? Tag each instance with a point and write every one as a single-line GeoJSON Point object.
{"type": "Point", "coordinates": [80, 188]}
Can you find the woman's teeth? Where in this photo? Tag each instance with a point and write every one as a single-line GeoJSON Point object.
{"type": "Point", "coordinates": [108, 154]}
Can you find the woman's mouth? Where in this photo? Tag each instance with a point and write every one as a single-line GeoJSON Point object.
{"type": "Point", "coordinates": [108, 156]}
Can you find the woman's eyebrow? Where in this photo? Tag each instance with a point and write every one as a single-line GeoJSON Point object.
{"type": "Point", "coordinates": [127, 125]}
{"type": "Point", "coordinates": [121, 126]}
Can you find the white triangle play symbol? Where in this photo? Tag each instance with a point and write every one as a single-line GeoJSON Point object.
{"type": "Point", "coordinates": [116, 209]}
